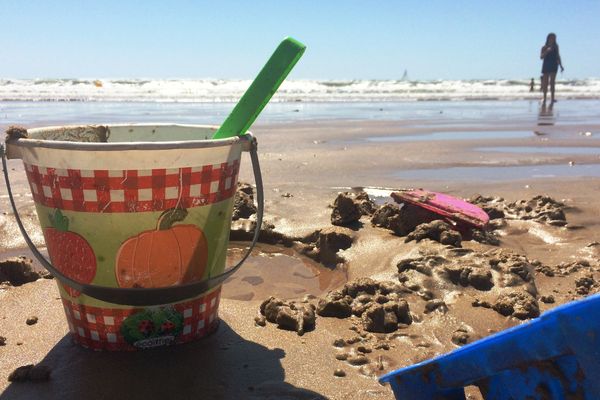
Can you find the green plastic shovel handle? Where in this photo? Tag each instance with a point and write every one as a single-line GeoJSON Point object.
{"type": "Point", "coordinates": [262, 89]}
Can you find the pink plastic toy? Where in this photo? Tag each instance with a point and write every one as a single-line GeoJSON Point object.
{"type": "Point", "coordinates": [464, 214]}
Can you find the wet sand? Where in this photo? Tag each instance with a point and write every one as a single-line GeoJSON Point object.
{"type": "Point", "coordinates": [304, 166]}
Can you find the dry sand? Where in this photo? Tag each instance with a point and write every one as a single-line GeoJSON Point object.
{"type": "Point", "coordinates": [304, 167]}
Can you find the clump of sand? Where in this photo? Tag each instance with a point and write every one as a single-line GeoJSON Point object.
{"type": "Point", "coordinates": [293, 316]}
{"type": "Point", "coordinates": [379, 304]}
{"type": "Point", "coordinates": [17, 271]}
{"type": "Point", "coordinates": [539, 208]}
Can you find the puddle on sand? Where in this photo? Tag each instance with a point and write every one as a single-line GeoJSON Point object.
{"type": "Point", "coordinates": [542, 150]}
{"type": "Point", "coordinates": [453, 135]}
{"type": "Point", "coordinates": [280, 272]}
{"type": "Point", "coordinates": [501, 173]}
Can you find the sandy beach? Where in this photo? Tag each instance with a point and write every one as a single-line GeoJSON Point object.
{"type": "Point", "coordinates": [535, 266]}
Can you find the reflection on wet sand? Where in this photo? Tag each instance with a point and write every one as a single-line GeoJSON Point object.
{"type": "Point", "coordinates": [546, 115]}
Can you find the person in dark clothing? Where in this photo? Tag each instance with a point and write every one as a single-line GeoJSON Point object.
{"type": "Point", "coordinates": [552, 61]}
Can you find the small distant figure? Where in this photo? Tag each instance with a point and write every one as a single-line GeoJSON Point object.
{"type": "Point", "coordinates": [532, 85]}
{"type": "Point", "coordinates": [552, 61]}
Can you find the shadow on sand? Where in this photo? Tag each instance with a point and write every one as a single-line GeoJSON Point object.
{"type": "Point", "coordinates": [222, 366]}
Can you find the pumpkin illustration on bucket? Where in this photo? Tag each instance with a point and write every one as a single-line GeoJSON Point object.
{"type": "Point", "coordinates": [70, 252]}
{"type": "Point", "coordinates": [169, 255]}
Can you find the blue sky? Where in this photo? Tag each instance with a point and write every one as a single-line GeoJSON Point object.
{"type": "Point", "coordinates": [346, 39]}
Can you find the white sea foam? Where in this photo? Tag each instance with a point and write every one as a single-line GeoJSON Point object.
{"type": "Point", "coordinates": [215, 90]}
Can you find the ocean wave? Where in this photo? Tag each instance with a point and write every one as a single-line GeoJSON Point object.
{"type": "Point", "coordinates": [222, 90]}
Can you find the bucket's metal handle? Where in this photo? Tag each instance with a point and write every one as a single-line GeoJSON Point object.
{"type": "Point", "coordinates": [146, 296]}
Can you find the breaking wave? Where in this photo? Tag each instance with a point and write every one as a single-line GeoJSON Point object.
{"type": "Point", "coordinates": [221, 90]}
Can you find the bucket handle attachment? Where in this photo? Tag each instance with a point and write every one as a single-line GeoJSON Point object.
{"type": "Point", "coordinates": [146, 296]}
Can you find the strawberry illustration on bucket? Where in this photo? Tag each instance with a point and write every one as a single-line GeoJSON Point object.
{"type": "Point", "coordinates": [70, 252]}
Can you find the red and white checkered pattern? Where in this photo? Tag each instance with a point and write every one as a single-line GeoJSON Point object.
{"type": "Point", "coordinates": [116, 191]}
{"type": "Point", "coordinates": [100, 328]}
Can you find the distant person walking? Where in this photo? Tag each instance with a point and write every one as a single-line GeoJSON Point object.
{"type": "Point", "coordinates": [532, 85]}
{"type": "Point", "coordinates": [552, 61]}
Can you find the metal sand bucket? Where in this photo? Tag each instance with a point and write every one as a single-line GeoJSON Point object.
{"type": "Point", "coordinates": [136, 221]}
